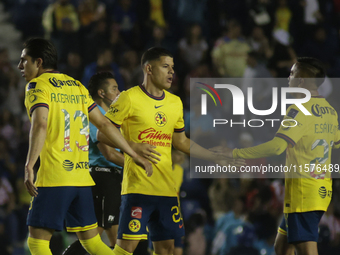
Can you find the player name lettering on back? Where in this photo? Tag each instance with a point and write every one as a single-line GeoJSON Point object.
{"type": "Point", "coordinates": [70, 99]}
{"type": "Point", "coordinates": [60, 83]}
{"type": "Point", "coordinates": [325, 128]}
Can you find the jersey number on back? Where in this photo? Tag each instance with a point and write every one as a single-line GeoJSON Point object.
{"type": "Point", "coordinates": [315, 162]}
{"type": "Point", "coordinates": [83, 131]}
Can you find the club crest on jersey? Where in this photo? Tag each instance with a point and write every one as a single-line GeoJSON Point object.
{"type": "Point", "coordinates": [161, 119]}
{"type": "Point", "coordinates": [134, 225]}
{"type": "Point", "coordinates": [136, 212]}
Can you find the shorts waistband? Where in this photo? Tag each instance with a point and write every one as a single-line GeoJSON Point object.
{"type": "Point", "coordinates": [106, 169]}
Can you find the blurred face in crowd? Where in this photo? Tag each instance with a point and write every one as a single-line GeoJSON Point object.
{"type": "Point", "coordinates": [161, 72]}
{"type": "Point", "coordinates": [74, 59]}
{"type": "Point", "coordinates": [29, 69]}
{"type": "Point", "coordinates": [105, 58]}
{"type": "Point", "coordinates": [196, 31]}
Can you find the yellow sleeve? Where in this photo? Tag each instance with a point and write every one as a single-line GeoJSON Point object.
{"type": "Point", "coordinates": [179, 126]}
{"type": "Point", "coordinates": [120, 109]}
{"type": "Point", "coordinates": [293, 127]}
{"type": "Point", "coordinates": [36, 96]}
{"type": "Point", "coordinates": [268, 149]}
{"type": "Point", "coordinates": [337, 139]}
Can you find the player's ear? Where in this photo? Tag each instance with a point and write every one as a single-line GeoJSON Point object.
{"type": "Point", "coordinates": [39, 62]}
{"type": "Point", "coordinates": [148, 68]}
{"type": "Point", "coordinates": [101, 93]}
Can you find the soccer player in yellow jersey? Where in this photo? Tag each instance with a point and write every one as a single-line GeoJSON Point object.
{"type": "Point", "coordinates": [308, 145]}
{"type": "Point", "coordinates": [148, 113]}
{"type": "Point", "coordinates": [60, 109]}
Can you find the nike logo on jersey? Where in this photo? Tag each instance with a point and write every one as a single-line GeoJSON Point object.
{"type": "Point", "coordinates": [158, 106]}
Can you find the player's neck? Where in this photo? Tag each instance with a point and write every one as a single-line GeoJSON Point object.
{"type": "Point", "coordinates": [153, 90]}
{"type": "Point", "coordinates": [41, 71]}
{"type": "Point", "coordinates": [102, 105]}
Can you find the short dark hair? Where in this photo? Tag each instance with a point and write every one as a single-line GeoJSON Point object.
{"type": "Point", "coordinates": [155, 53]}
{"type": "Point", "coordinates": [44, 49]}
{"type": "Point", "coordinates": [98, 81]}
{"type": "Point", "coordinates": [313, 67]}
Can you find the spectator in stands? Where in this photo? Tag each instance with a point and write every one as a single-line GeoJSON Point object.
{"type": "Point", "coordinates": [229, 54]}
{"type": "Point", "coordinates": [131, 71]}
{"type": "Point", "coordinates": [7, 206]}
{"type": "Point", "coordinates": [159, 39]}
{"type": "Point", "coordinates": [283, 16]}
{"type": "Point", "coordinates": [231, 220]}
{"type": "Point", "coordinates": [11, 88]}
{"type": "Point", "coordinates": [95, 41]}
{"type": "Point", "coordinates": [262, 14]}
{"type": "Point", "coordinates": [74, 66]}
{"type": "Point", "coordinates": [104, 63]}
{"type": "Point", "coordinates": [259, 43]}
{"type": "Point", "coordinates": [116, 42]}
{"type": "Point", "coordinates": [91, 11]}
{"type": "Point", "coordinates": [220, 197]}
{"type": "Point", "coordinates": [54, 16]}
{"type": "Point", "coordinates": [245, 241]}
{"type": "Point", "coordinates": [125, 16]}
{"type": "Point", "coordinates": [193, 48]}
{"type": "Point", "coordinates": [32, 10]}
{"type": "Point", "coordinates": [196, 241]}
{"type": "Point", "coordinates": [325, 47]}
{"type": "Point", "coordinates": [283, 54]}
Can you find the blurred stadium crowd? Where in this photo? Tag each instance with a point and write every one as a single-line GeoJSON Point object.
{"type": "Point", "coordinates": [215, 38]}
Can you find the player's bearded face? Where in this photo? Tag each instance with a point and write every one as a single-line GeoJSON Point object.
{"type": "Point", "coordinates": [162, 72]}
{"type": "Point", "coordinates": [29, 69]}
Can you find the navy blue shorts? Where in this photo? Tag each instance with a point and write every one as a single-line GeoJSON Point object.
{"type": "Point", "coordinates": [301, 227]}
{"type": "Point", "coordinates": [54, 205]}
{"type": "Point", "coordinates": [161, 215]}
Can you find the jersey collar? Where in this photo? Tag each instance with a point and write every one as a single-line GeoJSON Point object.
{"type": "Point", "coordinates": [54, 71]}
{"type": "Point", "coordinates": [152, 96]}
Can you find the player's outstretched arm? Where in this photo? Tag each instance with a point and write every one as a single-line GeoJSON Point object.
{"type": "Point", "coordinates": [37, 138]}
{"type": "Point", "coordinates": [116, 138]}
{"type": "Point", "coordinates": [274, 147]}
{"type": "Point", "coordinates": [111, 154]}
{"type": "Point", "coordinates": [184, 144]}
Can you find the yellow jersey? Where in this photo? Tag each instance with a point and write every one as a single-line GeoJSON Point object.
{"type": "Point", "coordinates": [144, 118]}
{"type": "Point", "coordinates": [308, 185]}
{"type": "Point", "coordinates": [64, 157]}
